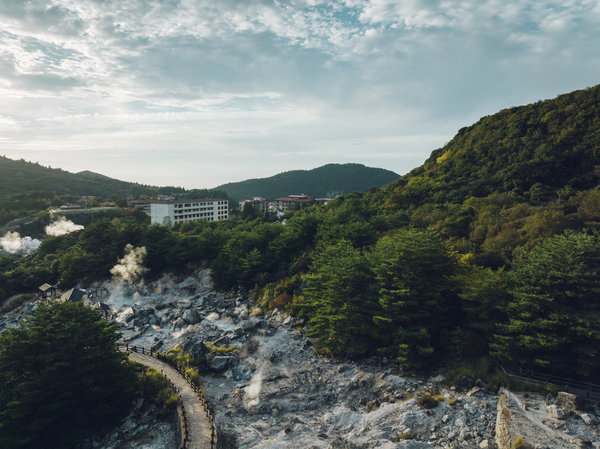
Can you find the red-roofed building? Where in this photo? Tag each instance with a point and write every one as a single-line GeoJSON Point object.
{"type": "Point", "coordinates": [293, 202]}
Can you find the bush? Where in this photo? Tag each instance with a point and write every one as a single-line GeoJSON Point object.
{"type": "Point", "coordinates": [156, 389]}
{"type": "Point", "coordinates": [429, 401]}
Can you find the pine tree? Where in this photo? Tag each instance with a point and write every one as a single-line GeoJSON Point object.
{"type": "Point", "coordinates": [339, 300]}
{"type": "Point", "coordinates": [554, 314]}
{"type": "Point", "coordinates": [412, 270]}
{"type": "Point", "coordinates": [61, 378]}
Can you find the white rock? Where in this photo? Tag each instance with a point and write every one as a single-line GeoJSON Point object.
{"type": "Point", "coordinates": [556, 412]}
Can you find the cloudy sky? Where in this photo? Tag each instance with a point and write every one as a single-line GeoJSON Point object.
{"type": "Point", "coordinates": [196, 93]}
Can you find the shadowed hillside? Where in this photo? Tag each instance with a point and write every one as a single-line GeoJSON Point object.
{"type": "Point", "coordinates": [326, 181]}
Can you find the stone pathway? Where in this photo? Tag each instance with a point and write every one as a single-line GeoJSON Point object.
{"type": "Point", "coordinates": [199, 428]}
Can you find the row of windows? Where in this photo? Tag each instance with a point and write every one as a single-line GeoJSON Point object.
{"type": "Point", "coordinates": [209, 203]}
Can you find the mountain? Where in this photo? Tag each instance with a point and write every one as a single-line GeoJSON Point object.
{"type": "Point", "coordinates": [22, 177]}
{"type": "Point", "coordinates": [326, 181]}
{"type": "Point", "coordinates": [535, 152]}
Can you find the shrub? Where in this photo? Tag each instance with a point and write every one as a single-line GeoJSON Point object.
{"type": "Point", "coordinates": [429, 401]}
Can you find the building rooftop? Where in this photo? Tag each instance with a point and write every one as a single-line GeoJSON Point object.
{"type": "Point", "coordinates": [73, 295]}
{"type": "Point", "coordinates": [196, 200]}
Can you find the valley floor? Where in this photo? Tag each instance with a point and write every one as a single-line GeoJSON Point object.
{"type": "Point", "coordinates": [269, 389]}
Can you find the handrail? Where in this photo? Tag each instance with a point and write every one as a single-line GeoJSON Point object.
{"type": "Point", "coordinates": [158, 355]}
{"type": "Point", "coordinates": [589, 390]}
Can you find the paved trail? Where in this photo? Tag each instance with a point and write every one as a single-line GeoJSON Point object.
{"type": "Point", "coordinates": [199, 428]}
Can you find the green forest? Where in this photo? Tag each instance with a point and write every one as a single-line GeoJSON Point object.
{"type": "Point", "coordinates": [489, 252]}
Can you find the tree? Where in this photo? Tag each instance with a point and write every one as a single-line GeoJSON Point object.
{"type": "Point", "coordinates": [61, 378]}
{"type": "Point", "coordinates": [554, 313]}
{"type": "Point", "coordinates": [339, 300]}
{"type": "Point", "coordinates": [416, 294]}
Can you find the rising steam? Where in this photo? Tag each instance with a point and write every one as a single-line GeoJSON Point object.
{"type": "Point", "coordinates": [130, 266]}
{"type": "Point", "coordinates": [252, 391]}
{"type": "Point", "coordinates": [13, 243]}
{"type": "Point", "coordinates": [62, 226]}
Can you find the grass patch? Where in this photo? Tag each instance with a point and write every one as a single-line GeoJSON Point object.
{"type": "Point", "coordinates": [192, 366]}
{"type": "Point", "coordinates": [407, 436]}
{"type": "Point", "coordinates": [156, 389]}
{"type": "Point", "coordinates": [220, 349]}
{"type": "Point", "coordinates": [429, 401]}
{"type": "Point", "coordinates": [520, 443]}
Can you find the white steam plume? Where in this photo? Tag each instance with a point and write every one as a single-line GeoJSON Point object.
{"type": "Point", "coordinates": [62, 226]}
{"type": "Point", "coordinates": [13, 243]}
{"type": "Point", "coordinates": [130, 266]}
{"type": "Point", "coordinates": [252, 391]}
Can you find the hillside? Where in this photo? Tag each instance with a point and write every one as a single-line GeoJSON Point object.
{"type": "Point", "coordinates": [326, 181]}
{"type": "Point", "coordinates": [20, 177]}
{"type": "Point", "coordinates": [533, 152]}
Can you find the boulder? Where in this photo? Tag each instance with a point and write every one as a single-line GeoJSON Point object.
{"type": "Point", "coordinates": [195, 348]}
{"type": "Point", "coordinates": [556, 412]}
{"type": "Point", "coordinates": [221, 363]}
{"type": "Point", "coordinates": [191, 316]}
{"type": "Point", "coordinates": [568, 401]}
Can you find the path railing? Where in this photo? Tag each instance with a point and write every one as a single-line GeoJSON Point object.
{"type": "Point", "coordinates": [184, 421]}
{"type": "Point", "coordinates": [586, 390]}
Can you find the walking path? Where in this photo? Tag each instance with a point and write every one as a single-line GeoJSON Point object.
{"type": "Point", "coordinates": [198, 425]}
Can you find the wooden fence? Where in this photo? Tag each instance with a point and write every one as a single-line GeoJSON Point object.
{"type": "Point", "coordinates": [586, 390]}
{"type": "Point", "coordinates": [196, 388]}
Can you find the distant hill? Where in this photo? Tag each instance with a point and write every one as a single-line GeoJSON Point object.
{"type": "Point", "coordinates": [22, 177]}
{"type": "Point", "coordinates": [326, 181]}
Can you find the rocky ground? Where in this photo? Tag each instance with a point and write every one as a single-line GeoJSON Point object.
{"type": "Point", "coordinates": [269, 389]}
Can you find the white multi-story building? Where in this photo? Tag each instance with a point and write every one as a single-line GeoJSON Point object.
{"type": "Point", "coordinates": [172, 212]}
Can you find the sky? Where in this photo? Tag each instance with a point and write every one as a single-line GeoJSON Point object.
{"type": "Point", "coordinates": [197, 93]}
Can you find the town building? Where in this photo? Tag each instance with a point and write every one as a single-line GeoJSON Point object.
{"type": "Point", "coordinates": [258, 203]}
{"type": "Point", "coordinates": [172, 212]}
{"type": "Point", "coordinates": [73, 295]}
{"type": "Point", "coordinates": [293, 202]}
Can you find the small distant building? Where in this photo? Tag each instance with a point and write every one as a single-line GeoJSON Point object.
{"type": "Point", "coordinates": [258, 203]}
{"type": "Point", "coordinates": [73, 295]}
{"type": "Point", "coordinates": [172, 212]}
{"type": "Point", "coordinates": [47, 290]}
{"type": "Point", "coordinates": [293, 202]}
{"type": "Point", "coordinates": [70, 206]}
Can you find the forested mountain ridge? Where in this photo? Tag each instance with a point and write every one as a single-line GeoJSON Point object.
{"type": "Point", "coordinates": [528, 151]}
{"type": "Point", "coordinates": [328, 180]}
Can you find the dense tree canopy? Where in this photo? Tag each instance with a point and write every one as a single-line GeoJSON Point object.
{"type": "Point", "coordinates": [61, 378]}
{"type": "Point", "coordinates": [553, 319]}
